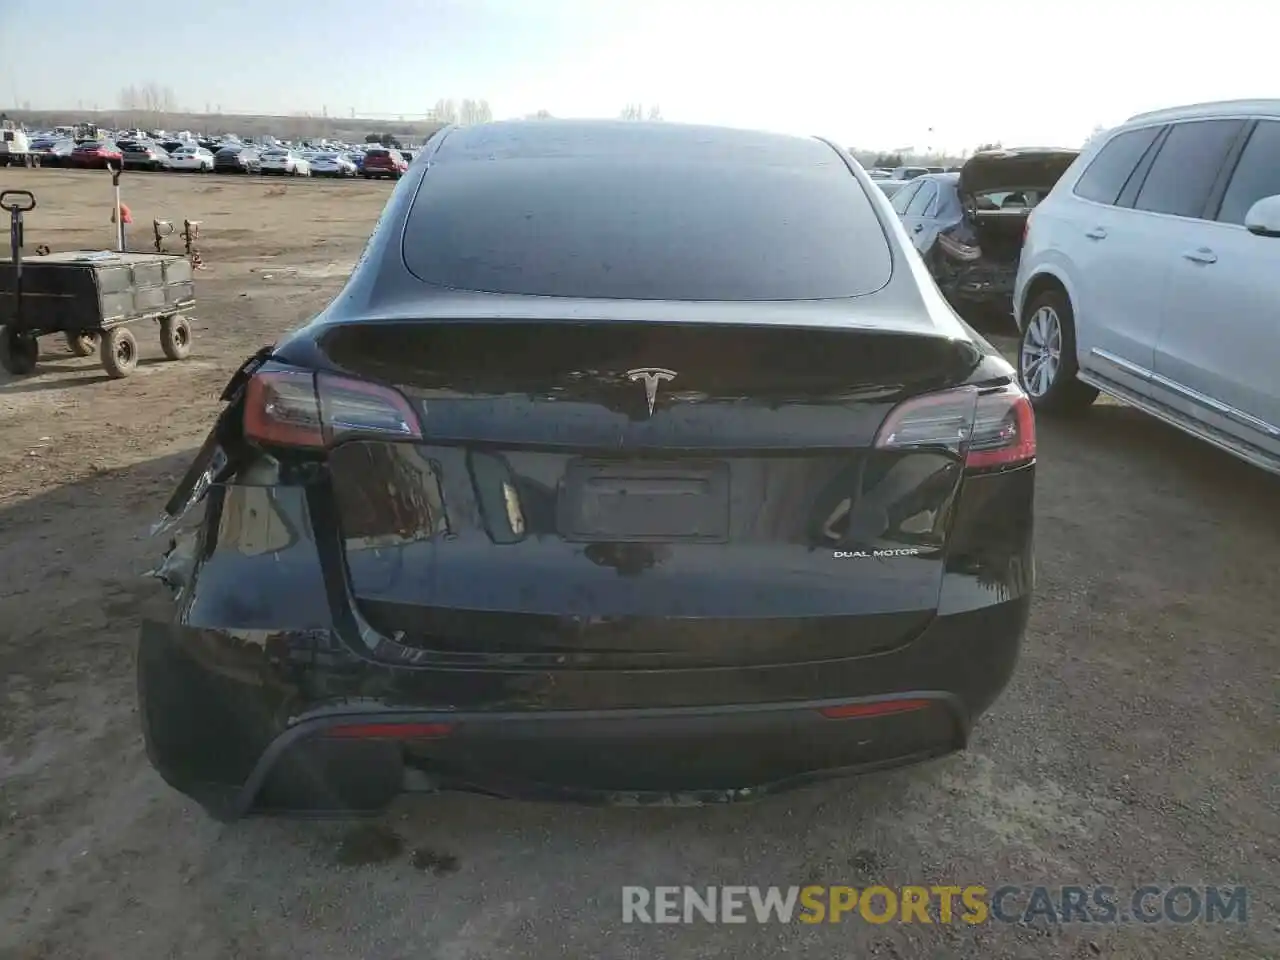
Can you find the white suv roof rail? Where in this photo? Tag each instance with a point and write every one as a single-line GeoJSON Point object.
{"type": "Point", "coordinates": [1212, 108]}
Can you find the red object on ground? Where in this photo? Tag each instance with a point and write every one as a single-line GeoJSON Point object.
{"type": "Point", "coordinates": [125, 215]}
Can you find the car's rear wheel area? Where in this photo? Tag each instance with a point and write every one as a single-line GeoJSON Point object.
{"type": "Point", "coordinates": [1047, 364]}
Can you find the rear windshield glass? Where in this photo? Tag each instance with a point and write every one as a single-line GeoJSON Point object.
{"type": "Point", "coordinates": [647, 230]}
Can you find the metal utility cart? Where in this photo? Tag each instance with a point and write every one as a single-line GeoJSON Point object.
{"type": "Point", "coordinates": [90, 298]}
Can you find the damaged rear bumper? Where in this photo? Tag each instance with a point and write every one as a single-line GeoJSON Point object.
{"type": "Point", "coordinates": [210, 738]}
{"type": "Point", "coordinates": [250, 691]}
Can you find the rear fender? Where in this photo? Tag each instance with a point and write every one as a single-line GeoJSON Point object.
{"type": "Point", "coordinates": [223, 452]}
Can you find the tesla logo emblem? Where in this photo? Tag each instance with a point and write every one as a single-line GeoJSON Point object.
{"type": "Point", "coordinates": [651, 376]}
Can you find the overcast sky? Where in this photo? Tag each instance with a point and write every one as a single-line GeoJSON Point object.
{"type": "Point", "coordinates": [877, 75]}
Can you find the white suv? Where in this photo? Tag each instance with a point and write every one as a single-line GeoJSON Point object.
{"type": "Point", "coordinates": [1151, 272]}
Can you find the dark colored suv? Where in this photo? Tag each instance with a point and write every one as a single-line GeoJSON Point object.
{"type": "Point", "coordinates": [665, 481]}
{"type": "Point", "coordinates": [237, 160]}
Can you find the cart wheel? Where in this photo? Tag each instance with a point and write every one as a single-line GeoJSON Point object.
{"type": "Point", "coordinates": [118, 352]}
{"type": "Point", "coordinates": [175, 337]}
{"type": "Point", "coordinates": [18, 352]}
{"type": "Point", "coordinates": [83, 344]}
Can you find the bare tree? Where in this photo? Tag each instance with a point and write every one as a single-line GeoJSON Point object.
{"type": "Point", "coordinates": [540, 115]}
{"type": "Point", "coordinates": [152, 99]}
{"type": "Point", "coordinates": [446, 111]}
{"type": "Point", "coordinates": [160, 99]}
{"type": "Point", "coordinates": [474, 111]}
{"type": "Point", "coordinates": [636, 111]}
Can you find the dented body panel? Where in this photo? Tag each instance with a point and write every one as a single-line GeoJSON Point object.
{"type": "Point", "coordinates": [973, 235]}
{"type": "Point", "coordinates": [985, 281]}
{"type": "Point", "coordinates": [268, 649]}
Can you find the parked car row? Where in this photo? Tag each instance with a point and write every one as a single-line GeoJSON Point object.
{"type": "Point", "coordinates": [1143, 267]}
{"type": "Point", "coordinates": [222, 157]}
{"type": "Point", "coordinates": [903, 173]}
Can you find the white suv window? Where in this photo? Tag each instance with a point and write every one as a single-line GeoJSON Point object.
{"type": "Point", "coordinates": [1111, 169]}
{"type": "Point", "coordinates": [1257, 175]}
{"type": "Point", "coordinates": [1187, 166]}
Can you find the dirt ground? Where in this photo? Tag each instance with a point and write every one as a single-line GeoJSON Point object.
{"type": "Point", "coordinates": [1139, 741]}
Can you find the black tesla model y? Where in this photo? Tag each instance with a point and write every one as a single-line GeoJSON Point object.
{"type": "Point", "coordinates": [634, 463]}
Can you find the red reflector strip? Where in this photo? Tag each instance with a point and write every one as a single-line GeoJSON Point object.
{"type": "Point", "coordinates": [883, 708]}
{"type": "Point", "coordinates": [390, 731]}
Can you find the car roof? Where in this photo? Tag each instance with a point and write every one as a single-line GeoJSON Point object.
{"type": "Point", "coordinates": [399, 279]}
{"type": "Point", "coordinates": [936, 177]}
{"type": "Point", "coordinates": [1025, 151]}
{"type": "Point", "coordinates": [1216, 108]}
{"type": "Point", "coordinates": [629, 139]}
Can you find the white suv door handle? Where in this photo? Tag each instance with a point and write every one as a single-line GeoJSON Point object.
{"type": "Point", "coordinates": [1097, 233]}
{"type": "Point", "coordinates": [1201, 255]}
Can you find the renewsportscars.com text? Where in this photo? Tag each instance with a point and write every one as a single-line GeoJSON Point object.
{"type": "Point", "coordinates": [972, 904]}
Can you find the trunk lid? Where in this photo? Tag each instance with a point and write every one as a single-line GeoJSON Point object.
{"type": "Point", "coordinates": [999, 188]}
{"type": "Point", "coordinates": [1009, 169]}
{"type": "Point", "coordinates": [639, 495]}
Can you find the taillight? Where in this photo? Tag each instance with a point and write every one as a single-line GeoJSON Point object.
{"type": "Point", "coordinates": [299, 408]}
{"type": "Point", "coordinates": [934, 420]}
{"type": "Point", "coordinates": [1004, 430]}
{"type": "Point", "coordinates": [990, 428]}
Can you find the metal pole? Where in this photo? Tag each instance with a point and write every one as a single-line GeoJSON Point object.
{"type": "Point", "coordinates": [115, 182]}
{"type": "Point", "coordinates": [15, 245]}
{"type": "Point", "coordinates": [16, 203]}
